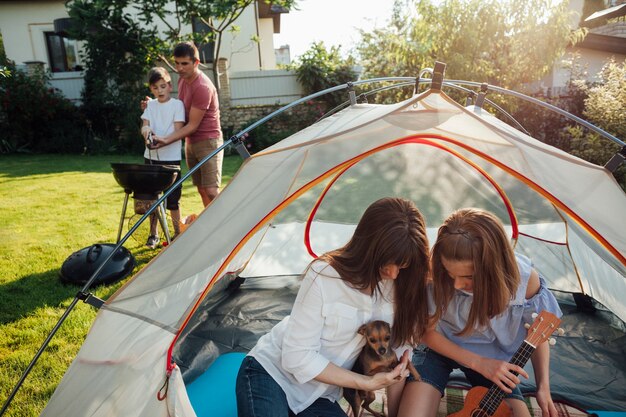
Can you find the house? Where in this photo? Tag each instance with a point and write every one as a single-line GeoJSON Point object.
{"type": "Point", "coordinates": [603, 42]}
{"type": "Point", "coordinates": [33, 36]}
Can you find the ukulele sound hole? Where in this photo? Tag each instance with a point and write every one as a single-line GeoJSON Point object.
{"type": "Point", "coordinates": [477, 412]}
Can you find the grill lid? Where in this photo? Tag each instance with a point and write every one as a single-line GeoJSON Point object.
{"type": "Point", "coordinates": [144, 179]}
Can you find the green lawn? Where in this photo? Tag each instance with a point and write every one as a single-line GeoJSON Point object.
{"type": "Point", "coordinates": [50, 207]}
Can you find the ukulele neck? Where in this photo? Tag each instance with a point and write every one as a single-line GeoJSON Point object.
{"type": "Point", "coordinates": [495, 395]}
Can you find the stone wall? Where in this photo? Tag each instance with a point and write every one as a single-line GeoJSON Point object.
{"type": "Point", "coordinates": [235, 119]}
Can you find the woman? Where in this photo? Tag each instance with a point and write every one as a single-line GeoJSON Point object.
{"type": "Point", "coordinates": [299, 367]}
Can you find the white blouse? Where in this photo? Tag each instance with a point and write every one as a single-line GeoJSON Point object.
{"type": "Point", "coordinates": [322, 328]}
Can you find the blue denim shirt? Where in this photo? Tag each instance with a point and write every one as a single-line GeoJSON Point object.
{"type": "Point", "coordinates": [506, 332]}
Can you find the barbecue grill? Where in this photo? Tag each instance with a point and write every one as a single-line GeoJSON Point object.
{"type": "Point", "coordinates": [145, 182]}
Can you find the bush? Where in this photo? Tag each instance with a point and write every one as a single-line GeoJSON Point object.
{"type": "Point", "coordinates": [319, 68]}
{"type": "Point", "coordinates": [37, 118]}
{"type": "Point", "coordinates": [603, 104]}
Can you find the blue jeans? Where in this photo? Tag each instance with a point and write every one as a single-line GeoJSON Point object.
{"type": "Point", "coordinates": [258, 395]}
{"type": "Point", "coordinates": [435, 370]}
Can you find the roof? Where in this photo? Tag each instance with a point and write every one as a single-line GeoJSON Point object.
{"type": "Point", "coordinates": [611, 12]}
{"type": "Point", "coordinates": [612, 44]}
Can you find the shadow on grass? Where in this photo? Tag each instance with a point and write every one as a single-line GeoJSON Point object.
{"type": "Point", "coordinates": [21, 297]}
{"type": "Point", "coordinates": [24, 165]}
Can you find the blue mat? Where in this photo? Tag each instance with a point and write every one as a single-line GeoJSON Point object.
{"type": "Point", "coordinates": [609, 413]}
{"type": "Point", "coordinates": [212, 394]}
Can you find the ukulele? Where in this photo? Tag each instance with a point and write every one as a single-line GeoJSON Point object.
{"type": "Point", "coordinates": [483, 402]}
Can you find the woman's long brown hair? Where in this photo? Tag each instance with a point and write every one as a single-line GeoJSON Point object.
{"type": "Point", "coordinates": [391, 231]}
{"type": "Point", "coordinates": [478, 236]}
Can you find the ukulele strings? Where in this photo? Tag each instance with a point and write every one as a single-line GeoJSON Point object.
{"type": "Point", "coordinates": [495, 395]}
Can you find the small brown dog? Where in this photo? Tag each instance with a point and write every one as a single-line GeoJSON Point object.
{"type": "Point", "coordinates": [376, 356]}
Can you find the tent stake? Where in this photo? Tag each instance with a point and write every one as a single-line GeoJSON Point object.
{"type": "Point", "coordinates": [238, 142]}
{"type": "Point", "coordinates": [438, 72]}
{"type": "Point", "coordinates": [351, 94]}
{"type": "Point", "coordinates": [617, 160]}
{"type": "Point", "coordinates": [480, 99]}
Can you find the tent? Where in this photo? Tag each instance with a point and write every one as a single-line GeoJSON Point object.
{"type": "Point", "coordinates": [233, 274]}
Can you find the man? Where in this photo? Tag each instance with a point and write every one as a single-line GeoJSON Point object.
{"type": "Point", "coordinates": [202, 132]}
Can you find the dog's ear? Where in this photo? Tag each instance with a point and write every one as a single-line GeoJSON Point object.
{"type": "Point", "coordinates": [362, 330]}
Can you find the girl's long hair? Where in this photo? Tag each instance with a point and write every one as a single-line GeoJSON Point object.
{"type": "Point", "coordinates": [391, 231]}
{"type": "Point", "coordinates": [478, 236]}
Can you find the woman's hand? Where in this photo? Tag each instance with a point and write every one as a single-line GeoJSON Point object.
{"type": "Point", "coordinates": [384, 379]}
{"type": "Point", "coordinates": [500, 373]}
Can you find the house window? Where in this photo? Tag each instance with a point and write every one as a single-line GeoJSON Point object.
{"type": "Point", "coordinates": [206, 50]}
{"type": "Point", "coordinates": [61, 53]}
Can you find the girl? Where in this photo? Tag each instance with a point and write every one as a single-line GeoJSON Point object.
{"type": "Point", "coordinates": [299, 367]}
{"type": "Point", "coordinates": [482, 294]}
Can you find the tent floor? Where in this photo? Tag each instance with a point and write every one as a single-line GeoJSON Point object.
{"type": "Point", "coordinates": [587, 363]}
{"type": "Point", "coordinates": [219, 380]}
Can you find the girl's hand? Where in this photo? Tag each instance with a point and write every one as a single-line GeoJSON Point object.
{"type": "Point", "coordinates": [544, 399]}
{"type": "Point", "coordinates": [384, 379]}
{"type": "Point", "coordinates": [500, 373]}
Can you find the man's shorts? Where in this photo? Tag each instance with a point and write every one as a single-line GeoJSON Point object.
{"type": "Point", "coordinates": [210, 174]}
{"type": "Point", "coordinates": [435, 370]}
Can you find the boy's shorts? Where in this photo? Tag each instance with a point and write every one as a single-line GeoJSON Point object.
{"type": "Point", "coordinates": [172, 200]}
{"type": "Point", "coordinates": [435, 370]}
{"type": "Point", "coordinates": [209, 174]}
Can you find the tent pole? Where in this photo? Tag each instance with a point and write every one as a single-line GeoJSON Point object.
{"type": "Point", "coordinates": [38, 354]}
{"type": "Point", "coordinates": [542, 104]}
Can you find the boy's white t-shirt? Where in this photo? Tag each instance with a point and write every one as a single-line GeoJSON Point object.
{"type": "Point", "coordinates": [162, 117]}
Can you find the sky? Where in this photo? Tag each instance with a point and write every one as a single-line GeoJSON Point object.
{"type": "Point", "coordinates": [335, 22]}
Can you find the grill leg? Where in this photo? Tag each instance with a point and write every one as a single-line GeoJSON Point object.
{"type": "Point", "coordinates": [119, 230]}
{"type": "Point", "coordinates": [160, 212]}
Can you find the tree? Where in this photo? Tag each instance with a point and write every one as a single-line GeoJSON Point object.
{"type": "Point", "coordinates": [124, 38]}
{"type": "Point", "coordinates": [145, 18]}
{"type": "Point", "coordinates": [218, 15]}
{"type": "Point", "coordinates": [319, 68]}
{"type": "Point", "coordinates": [118, 52]}
{"type": "Point", "coordinates": [4, 70]}
{"type": "Point", "coordinates": [502, 42]}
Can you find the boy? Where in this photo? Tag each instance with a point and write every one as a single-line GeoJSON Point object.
{"type": "Point", "coordinates": [161, 117]}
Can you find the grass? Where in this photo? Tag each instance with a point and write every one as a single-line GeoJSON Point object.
{"type": "Point", "coordinates": [50, 207]}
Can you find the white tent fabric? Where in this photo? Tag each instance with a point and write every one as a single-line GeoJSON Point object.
{"type": "Point", "coordinates": [428, 149]}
